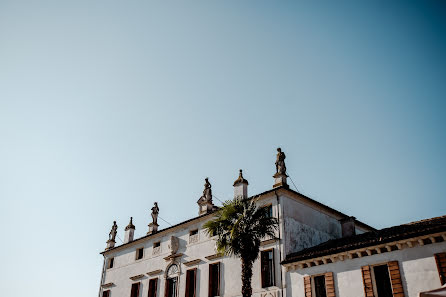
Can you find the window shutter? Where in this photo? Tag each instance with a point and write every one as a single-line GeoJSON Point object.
{"type": "Point", "coordinates": [187, 282]}
{"type": "Point", "coordinates": [211, 281]}
{"type": "Point", "coordinates": [441, 266]}
{"type": "Point", "coordinates": [195, 281]}
{"type": "Point", "coordinates": [307, 286]}
{"type": "Point", "coordinates": [153, 283]}
{"type": "Point", "coordinates": [329, 284]}
{"type": "Point", "coordinates": [367, 280]}
{"type": "Point", "coordinates": [395, 279]}
{"type": "Point", "coordinates": [263, 267]}
{"type": "Point", "coordinates": [166, 288]}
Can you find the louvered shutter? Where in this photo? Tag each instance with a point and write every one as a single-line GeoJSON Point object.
{"type": "Point", "coordinates": [307, 286]}
{"type": "Point", "coordinates": [367, 280]}
{"type": "Point", "coordinates": [395, 279]}
{"type": "Point", "coordinates": [441, 266]}
{"type": "Point", "coordinates": [329, 284]}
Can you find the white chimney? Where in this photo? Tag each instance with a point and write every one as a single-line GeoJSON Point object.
{"type": "Point", "coordinates": [129, 231]}
{"type": "Point", "coordinates": [241, 186]}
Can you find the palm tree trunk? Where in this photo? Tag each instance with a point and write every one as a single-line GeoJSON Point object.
{"type": "Point", "coordinates": [246, 277]}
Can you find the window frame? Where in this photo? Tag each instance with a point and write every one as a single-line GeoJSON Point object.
{"type": "Point", "coordinates": [111, 263]}
{"type": "Point", "coordinates": [137, 253]}
{"type": "Point", "coordinates": [372, 274]}
{"type": "Point", "coordinates": [138, 284]}
{"type": "Point", "coordinates": [211, 281]}
{"type": "Point", "coordinates": [273, 272]}
{"type": "Point", "coordinates": [186, 293]}
{"type": "Point", "coordinates": [151, 281]}
{"type": "Point", "coordinates": [313, 284]}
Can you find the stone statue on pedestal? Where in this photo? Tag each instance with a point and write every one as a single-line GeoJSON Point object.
{"type": "Point", "coordinates": [207, 192]}
{"type": "Point", "coordinates": [280, 162]}
{"type": "Point", "coordinates": [155, 212]}
{"type": "Point", "coordinates": [113, 232]}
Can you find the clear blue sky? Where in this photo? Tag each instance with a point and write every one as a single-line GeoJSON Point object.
{"type": "Point", "coordinates": [108, 106]}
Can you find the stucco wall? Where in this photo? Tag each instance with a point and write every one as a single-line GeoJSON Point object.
{"type": "Point", "coordinates": [417, 266]}
{"type": "Point", "coordinates": [305, 226]}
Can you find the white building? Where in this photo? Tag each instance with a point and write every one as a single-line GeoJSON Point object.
{"type": "Point", "coordinates": [315, 253]}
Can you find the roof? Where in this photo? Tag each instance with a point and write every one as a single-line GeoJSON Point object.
{"type": "Point", "coordinates": [283, 187]}
{"type": "Point", "coordinates": [386, 235]}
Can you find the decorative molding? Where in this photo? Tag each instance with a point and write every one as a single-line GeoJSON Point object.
{"type": "Point", "coordinates": [268, 241]}
{"type": "Point", "coordinates": [214, 256]}
{"type": "Point", "coordinates": [193, 262]}
{"type": "Point", "coordinates": [108, 285]}
{"type": "Point", "coordinates": [368, 251]}
{"type": "Point", "coordinates": [154, 272]}
{"type": "Point", "coordinates": [137, 277]}
{"type": "Point", "coordinates": [172, 256]}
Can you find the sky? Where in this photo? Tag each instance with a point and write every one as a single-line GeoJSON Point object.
{"type": "Point", "coordinates": [109, 106]}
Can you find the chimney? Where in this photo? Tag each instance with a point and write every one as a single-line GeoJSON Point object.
{"type": "Point", "coordinates": [129, 231]}
{"type": "Point", "coordinates": [241, 187]}
{"type": "Point", "coordinates": [348, 226]}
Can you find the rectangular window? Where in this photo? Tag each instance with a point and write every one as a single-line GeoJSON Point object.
{"type": "Point", "coordinates": [156, 244]}
{"type": "Point", "coordinates": [171, 287]}
{"type": "Point", "coordinates": [111, 262]}
{"type": "Point", "coordinates": [319, 286]}
{"type": "Point", "coordinates": [106, 293]}
{"type": "Point", "coordinates": [270, 210]}
{"type": "Point", "coordinates": [153, 284]}
{"type": "Point", "coordinates": [214, 279]}
{"type": "Point", "coordinates": [267, 268]}
{"type": "Point", "coordinates": [193, 232]}
{"type": "Point", "coordinates": [139, 253]}
{"type": "Point", "coordinates": [191, 276]}
{"type": "Point", "coordinates": [382, 281]}
{"type": "Point", "coordinates": [135, 290]}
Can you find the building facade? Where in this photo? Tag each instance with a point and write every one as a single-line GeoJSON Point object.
{"type": "Point", "coordinates": [181, 261]}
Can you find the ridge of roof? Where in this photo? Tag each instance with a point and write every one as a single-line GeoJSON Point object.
{"type": "Point", "coordinates": [385, 235]}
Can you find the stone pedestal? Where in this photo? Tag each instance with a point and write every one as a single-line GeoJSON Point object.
{"type": "Point", "coordinates": [110, 244]}
{"type": "Point", "coordinates": [280, 180]}
{"type": "Point", "coordinates": [205, 207]}
{"type": "Point", "coordinates": [153, 228]}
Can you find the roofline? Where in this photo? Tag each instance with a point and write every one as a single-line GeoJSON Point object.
{"type": "Point", "coordinates": [283, 187]}
{"type": "Point", "coordinates": [416, 234]}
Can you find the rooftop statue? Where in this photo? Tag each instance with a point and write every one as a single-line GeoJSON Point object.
{"type": "Point", "coordinates": [155, 212]}
{"type": "Point", "coordinates": [207, 192]}
{"type": "Point", "coordinates": [280, 162]}
{"type": "Point", "coordinates": [113, 232]}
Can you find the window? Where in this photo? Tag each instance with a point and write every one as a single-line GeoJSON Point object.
{"type": "Point", "coordinates": [191, 276]}
{"type": "Point", "coordinates": [156, 244]}
{"type": "Point", "coordinates": [139, 253]}
{"type": "Point", "coordinates": [135, 290]}
{"type": "Point", "coordinates": [267, 268]}
{"type": "Point", "coordinates": [111, 262]}
{"type": "Point", "coordinates": [153, 284]}
{"type": "Point", "coordinates": [441, 266]}
{"type": "Point", "coordinates": [382, 281]}
{"type": "Point", "coordinates": [171, 287]}
{"type": "Point", "coordinates": [319, 286]}
{"type": "Point", "coordinates": [214, 279]}
{"type": "Point", "coordinates": [270, 210]}
{"type": "Point", "coordinates": [193, 236]}
{"type": "Point", "coordinates": [106, 293]}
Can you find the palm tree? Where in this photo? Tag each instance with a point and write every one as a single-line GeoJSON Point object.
{"type": "Point", "coordinates": [240, 226]}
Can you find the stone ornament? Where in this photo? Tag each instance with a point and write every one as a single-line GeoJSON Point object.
{"type": "Point", "coordinates": [113, 232]}
{"type": "Point", "coordinates": [174, 245]}
{"type": "Point", "coordinates": [155, 212]}
{"type": "Point", "coordinates": [280, 162]}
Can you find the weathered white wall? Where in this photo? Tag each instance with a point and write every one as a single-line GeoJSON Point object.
{"type": "Point", "coordinates": [305, 226]}
{"type": "Point", "coordinates": [417, 267]}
